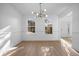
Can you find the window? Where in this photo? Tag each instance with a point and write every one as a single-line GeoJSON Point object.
{"type": "Point", "coordinates": [48, 29]}
{"type": "Point", "coordinates": [31, 26]}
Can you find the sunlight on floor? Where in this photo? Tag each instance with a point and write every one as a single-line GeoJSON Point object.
{"type": "Point", "coordinates": [46, 50]}
{"type": "Point", "coordinates": [67, 47]}
{"type": "Point", "coordinates": [65, 43]}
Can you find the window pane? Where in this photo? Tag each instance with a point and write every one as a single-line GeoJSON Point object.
{"type": "Point", "coordinates": [48, 29]}
{"type": "Point", "coordinates": [31, 26]}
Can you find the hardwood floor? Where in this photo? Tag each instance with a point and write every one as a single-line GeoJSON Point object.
{"type": "Point", "coordinates": [68, 39]}
{"type": "Point", "coordinates": [41, 48]}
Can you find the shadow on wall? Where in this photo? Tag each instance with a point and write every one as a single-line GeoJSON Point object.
{"type": "Point", "coordinates": [5, 35]}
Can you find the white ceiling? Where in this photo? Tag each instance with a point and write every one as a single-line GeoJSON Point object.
{"type": "Point", "coordinates": [52, 8]}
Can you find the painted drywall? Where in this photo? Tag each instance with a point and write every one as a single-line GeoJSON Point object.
{"type": "Point", "coordinates": [75, 27]}
{"type": "Point", "coordinates": [40, 29]}
{"type": "Point", "coordinates": [10, 25]}
{"type": "Point", "coordinates": [66, 25]}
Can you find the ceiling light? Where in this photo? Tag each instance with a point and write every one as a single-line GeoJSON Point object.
{"type": "Point", "coordinates": [41, 13]}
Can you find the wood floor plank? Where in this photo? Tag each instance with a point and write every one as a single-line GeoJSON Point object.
{"type": "Point", "coordinates": [40, 48]}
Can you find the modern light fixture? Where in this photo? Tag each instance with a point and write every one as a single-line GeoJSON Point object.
{"type": "Point", "coordinates": [41, 13]}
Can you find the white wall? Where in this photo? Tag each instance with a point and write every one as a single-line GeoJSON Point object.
{"type": "Point", "coordinates": [10, 22]}
{"type": "Point", "coordinates": [75, 27]}
{"type": "Point", "coordinates": [66, 25]}
{"type": "Point", "coordinates": [40, 29]}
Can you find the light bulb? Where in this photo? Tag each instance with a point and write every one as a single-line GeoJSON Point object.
{"type": "Point", "coordinates": [37, 14]}
{"type": "Point", "coordinates": [32, 12]}
{"type": "Point", "coordinates": [46, 15]}
{"type": "Point", "coordinates": [44, 9]}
